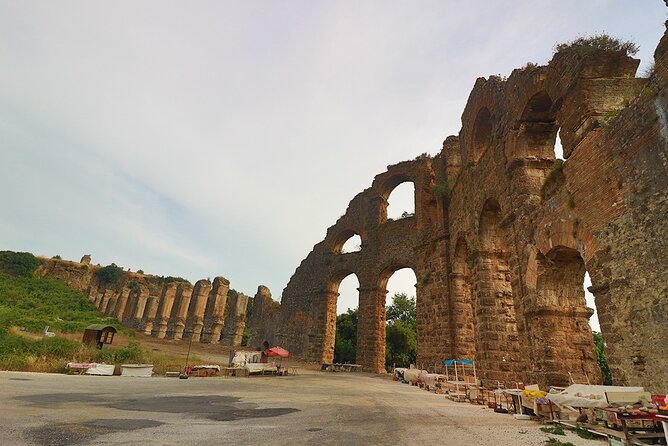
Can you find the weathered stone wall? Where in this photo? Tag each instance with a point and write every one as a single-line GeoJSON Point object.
{"type": "Point", "coordinates": [161, 307]}
{"type": "Point", "coordinates": [264, 323]}
{"type": "Point", "coordinates": [503, 233]}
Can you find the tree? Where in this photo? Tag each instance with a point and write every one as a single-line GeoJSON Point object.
{"type": "Point", "coordinates": [401, 331]}
{"type": "Point", "coordinates": [401, 309]}
{"type": "Point", "coordinates": [345, 343]}
{"type": "Point", "coordinates": [601, 358]}
{"type": "Point", "coordinates": [400, 344]}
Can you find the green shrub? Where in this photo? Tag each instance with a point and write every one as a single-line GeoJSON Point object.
{"type": "Point", "coordinates": [18, 263]}
{"type": "Point", "coordinates": [588, 45]}
{"type": "Point", "coordinates": [583, 433]}
{"type": "Point", "coordinates": [554, 442]}
{"type": "Point", "coordinates": [556, 430]}
{"type": "Point", "coordinates": [109, 274]}
{"type": "Point", "coordinates": [133, 353]}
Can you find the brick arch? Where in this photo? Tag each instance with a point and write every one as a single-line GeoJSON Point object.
{"type": "Point", "coordinates": [387, 187]}
{"type": "Point", "coordinates": [329, 311]}
{"type": "Point", "coordinates": [568, 232]}
{"type": "Point", "coordinates": [394, 265]}
{"type": "Point", "coordinates": [336, 242]}
{"type": "Point", "coordinates": [478, 115]}
{"type": "Point", "coordinates": [481, 137]}
{"type": "Point", "coordinates": [536, 129]}
{"type": "Point", "coordinates": [338, 277]}
{"type": "Point", "coordinates": [371, 319]}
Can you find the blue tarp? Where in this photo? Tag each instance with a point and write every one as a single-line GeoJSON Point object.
{"type": "Point", "coordinates": [458, 361]}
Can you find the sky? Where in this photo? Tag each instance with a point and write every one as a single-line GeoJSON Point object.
{"type": "Point", "coordinates": [209, 138]}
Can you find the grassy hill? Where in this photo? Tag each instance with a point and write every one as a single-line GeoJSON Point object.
{"type": "Point", "coordinates": [28, 304]}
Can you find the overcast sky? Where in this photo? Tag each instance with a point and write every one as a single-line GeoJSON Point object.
{"type": "Point", "coordinates": [208, 138]}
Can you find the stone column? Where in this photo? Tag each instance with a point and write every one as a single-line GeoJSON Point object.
{"type": "Point", "coordinates": [256, 326]}
{"type": "Point", "coordinates": [327, 314]}
{"type": "Point", "coordinates": [215, 310]}
{"type": "Point", "coordinates": [462, 315]}
{"type": "Point", "coordinates": [139, 308]}
{"type": "Point", "coordinates": [180, 312]}
{"type": "Point", "coordinates": [98, 298]}
{"type": "Point", "coordinates": [104, 300]}
{"type": "Point", "coordinates": [122, 303]}
{"type": "Point", "coordinates": [496, 346]}
{"type": "Point", "coordinates": [235, 322]}
{"type": "Point", "coordinates": [149, 314]}
{"type": "Point", "coordinates": [110, 309]}
{"type": "Point", "coordinates": [195, 321]}
{"type": "Point", "coordinates": [371, 329]}
{"type": "Point", "coordinates": [164, 310]}
{"type": "Point", "coordinates": [91, 293]}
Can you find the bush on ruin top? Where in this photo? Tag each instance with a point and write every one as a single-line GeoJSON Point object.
{"type": "Point", "coordinates": [589, 45]}
{"type": "Point", "coordinates": [109, 274]}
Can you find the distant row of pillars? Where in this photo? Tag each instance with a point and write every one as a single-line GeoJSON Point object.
{"type": "Point", "coordinates": [205, 311]}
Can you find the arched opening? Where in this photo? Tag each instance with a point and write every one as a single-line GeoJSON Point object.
{"type": "Point", "coordinates": [562, 339]}
{"type": "Point", "coordinates": [401, 201]}
{"type": "Point", "coordinates": [558, 148]}
{"type": "Point", "coordinates": [353, 244]}
{"type": "Point", "coordinates": [347, 241]}
{"type": "Point", "coordinates": [482, 134]}
{"type": "Point", "coordinates": [463, 322]}
{"type": "Point", "coordinates": [496, 344]}
{"type": "Point", "coordinates": [348, 294]}
{"type": "Point", "coordinates": [538, 129]}
{"type": "Point", "coordinates": [340, 343]}
{"type": "Point", "coordinates": [401, 319]}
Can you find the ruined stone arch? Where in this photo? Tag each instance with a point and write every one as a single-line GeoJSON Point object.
{"type": "Point", "coordinates": [386, 189]}
{"type": "Point", "coordinates": [331, 297]}
{"type": "Point", "coordinates": [557, 320]}
{"type": "Point", "coordinates": [371, 320]}
{"type": "Point", "coordinates": [337, 242]}
{"type": "Point", "coordinates": [481, 137]}
{"type": "Point", "coordinates": [536, 128]}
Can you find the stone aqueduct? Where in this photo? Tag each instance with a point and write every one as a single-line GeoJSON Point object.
{"type": "Point", "coordinates": [503, 233]}
{"type": "Point", "coordinates": [500, 241]}
{"type": "Point", "coordinates": [164, 308]}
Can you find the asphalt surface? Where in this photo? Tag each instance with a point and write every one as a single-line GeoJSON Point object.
{"type": "Point", "coordinates": [311, 408]}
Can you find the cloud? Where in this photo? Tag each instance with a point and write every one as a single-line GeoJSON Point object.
{"type": "Point", "coordinates": [225, 137]}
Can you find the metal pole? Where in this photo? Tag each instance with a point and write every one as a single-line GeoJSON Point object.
{"type": "Point", "coordinates": [184, 375]}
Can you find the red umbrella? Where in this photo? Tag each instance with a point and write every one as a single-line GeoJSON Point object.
{"type": "Point", "coordinates": [277, 351]}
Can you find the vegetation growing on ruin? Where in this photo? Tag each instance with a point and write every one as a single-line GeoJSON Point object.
{"type": "Point", "coordinates": [110, 274]}
{"type": "Point", "coordinates": [588, 45]}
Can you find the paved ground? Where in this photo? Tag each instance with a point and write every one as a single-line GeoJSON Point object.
{"type": "Point", "coordinates": [309, 409]}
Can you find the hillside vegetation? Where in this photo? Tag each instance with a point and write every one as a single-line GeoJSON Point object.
{"type": "Point", "coordinates": [28, 304]}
